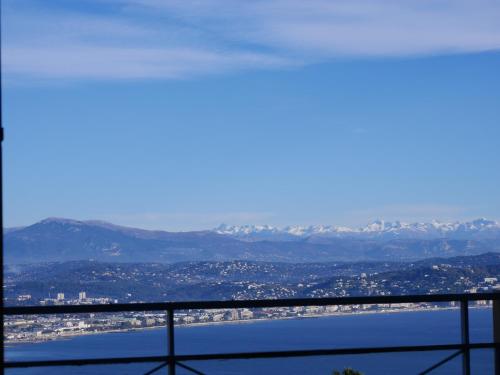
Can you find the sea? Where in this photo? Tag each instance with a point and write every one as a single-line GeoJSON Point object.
{"type": "Point", "coordinates": [342, 331]}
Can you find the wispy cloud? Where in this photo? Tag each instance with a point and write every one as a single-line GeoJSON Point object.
{"type": "Point", "coordinates": [138, 39]}
{"type": "Point", "coordinates": [98, 62]}
{"type": "Point", "coordinates": [356, 27]}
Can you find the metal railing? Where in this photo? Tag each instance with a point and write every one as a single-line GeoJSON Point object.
{"type": "Point", "coordinates": [171, 360]}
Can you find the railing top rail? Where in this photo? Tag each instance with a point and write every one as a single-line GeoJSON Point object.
{"type": "Point", "coordinates": [234, 304]}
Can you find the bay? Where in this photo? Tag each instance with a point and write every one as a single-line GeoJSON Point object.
{"type": "Point", "coordinates": [363, 330]}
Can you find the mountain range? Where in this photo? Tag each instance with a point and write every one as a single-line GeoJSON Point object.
{"type": "Point", "coordinates": [57, 240]}
{"type": "Point", "coordinates": [384, 230]}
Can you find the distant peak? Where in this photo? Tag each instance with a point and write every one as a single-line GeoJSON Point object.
{"type": "Point", "coordinates": [60, 220]}
{"type": "Point", "coordinates": [484, 221]}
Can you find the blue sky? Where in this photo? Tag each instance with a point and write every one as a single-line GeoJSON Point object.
{"type": "Point", "coordinates": [182, 115]}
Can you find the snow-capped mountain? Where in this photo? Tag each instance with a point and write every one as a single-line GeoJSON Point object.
{"type": "Point", "coordinates": [292, 232]}
{"type": "Point", "coordinates": [58, 240]}
{"type": "Point", "coordinates": [476, 229]}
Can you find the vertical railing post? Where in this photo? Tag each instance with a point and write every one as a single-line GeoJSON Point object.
{"type": "Point", "coordinates": [1, 206]}
{"type": "Point", "coordinates": [496, 333]}
{"type": "Point", "coordinates": [171, 342]}
{"type": "Point", "coordinates": [464, 322]}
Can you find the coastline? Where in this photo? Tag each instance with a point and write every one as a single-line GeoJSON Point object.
{"type": "Point", "coordinates": [69, 336]}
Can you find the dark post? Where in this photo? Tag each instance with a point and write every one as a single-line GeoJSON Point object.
{"type": "Point", "coordinates": [464, 320]}
{"type": "Point", "coordinates": [1, 203]}
{"type": "Point", "coordinates": [496, 333]}
{"type": "Point", "coordinates": [171, 342]}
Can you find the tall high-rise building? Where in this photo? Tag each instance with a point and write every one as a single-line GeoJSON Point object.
{"type": "Point", "coordinates": [82, 295]}
{"type": "Point", "coordinates": [60, 296]}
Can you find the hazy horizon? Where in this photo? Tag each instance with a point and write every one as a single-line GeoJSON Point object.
{"type": "Point", "coordinates": [220, 225]}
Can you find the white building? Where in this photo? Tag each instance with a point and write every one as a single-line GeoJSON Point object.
{"type": "Point", "coordinates": [246, 314]}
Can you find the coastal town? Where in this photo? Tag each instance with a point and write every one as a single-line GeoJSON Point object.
{"type": "Point", "coordinates": [39, 328]}
{"type": "Point", "coordinates": [96, 283]}
{"type": "Point", "coordinates": [50, 327]}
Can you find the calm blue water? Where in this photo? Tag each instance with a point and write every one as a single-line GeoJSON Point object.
{"type": "Point", "coordinates": [411, 328]}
